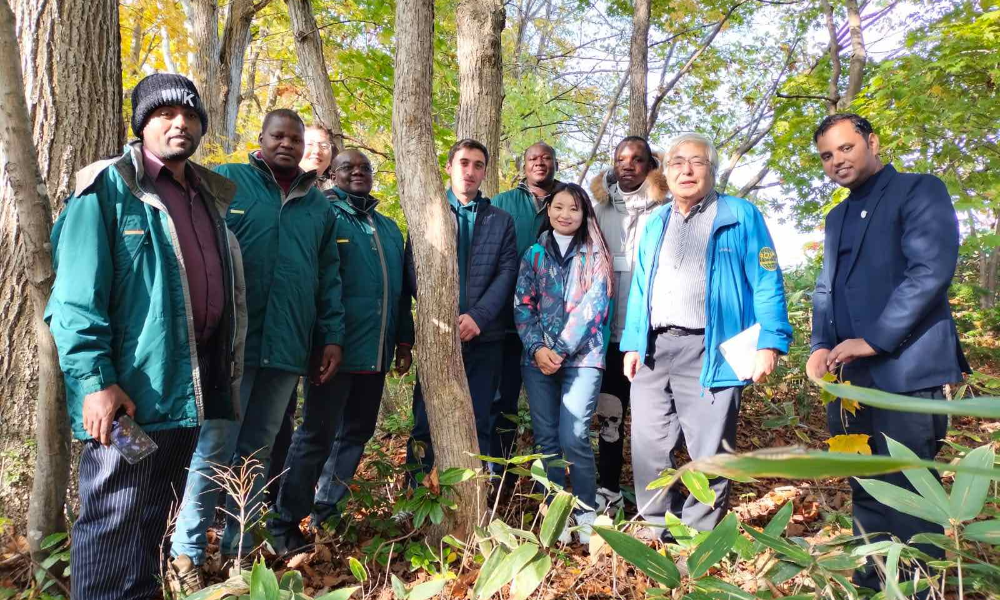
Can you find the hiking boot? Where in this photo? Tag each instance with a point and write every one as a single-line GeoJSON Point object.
{"type": "Point", "coordinates": [289, 542]}
{"type": "Point", "coordinates": [608, 501]}
{"type": "Point", "coordinates": [184, 577]}
{"type": "Point", "coordinates": [585, 522]}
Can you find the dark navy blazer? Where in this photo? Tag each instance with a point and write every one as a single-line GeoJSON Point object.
{"type": "Point", "coordinates": [897, 283]}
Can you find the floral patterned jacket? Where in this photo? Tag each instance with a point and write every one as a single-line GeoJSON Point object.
{"type": "Point", "coordinates": [551, 309]}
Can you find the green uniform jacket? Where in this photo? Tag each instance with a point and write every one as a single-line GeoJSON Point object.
{"type": "Point", "coordinates": [120, 311]}
{"type": "Point", "coordinates": [292, 266]}
{"type": "Point", "coordinates": [377, 312]}
{"type": "Point", "coordinates": [528, 218]}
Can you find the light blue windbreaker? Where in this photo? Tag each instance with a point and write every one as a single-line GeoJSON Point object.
{"type": "Point", "coordinates": [744, 287]}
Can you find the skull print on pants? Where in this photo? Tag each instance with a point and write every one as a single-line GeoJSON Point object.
{"type": "Point", "coordinates": [609, 417]}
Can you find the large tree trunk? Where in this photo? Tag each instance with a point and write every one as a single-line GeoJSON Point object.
{"type": "Point", "coordinates": [218, 63]}
{"type": "Point", "coordinates": [421, 194]}
{"type": "Point", "coordinates": [480, 79]}
{"type": "Point", "coordinates": [638, 69]}
{"type": "Point", "coordinates": [312, 67]}
{"type": "Point", "coordinates": [71, 67]}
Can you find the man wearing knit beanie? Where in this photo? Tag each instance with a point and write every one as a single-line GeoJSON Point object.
{"type": "Point", "coordinates": [148, 313]}
{"type": "Point", "coordinates": [165, 89]}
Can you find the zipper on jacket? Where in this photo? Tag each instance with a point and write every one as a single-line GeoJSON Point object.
{"type": "Point", "coordinates": [385, 291]}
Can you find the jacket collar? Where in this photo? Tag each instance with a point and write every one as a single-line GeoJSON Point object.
{"type": "Point", "coordinates": [522, 185]}
{"type": "Point", "coordinates": [480, 200]}
{"type": "Point", "coordinates": [130, 168]}
{"type": "Point", "coordinates": [548, 242]}
{"type": "Point", "coordinates": [300, 186]}
{"type": "Point", "coordinates": [364, 205]}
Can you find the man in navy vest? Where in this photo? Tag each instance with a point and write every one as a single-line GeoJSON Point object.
{"type": "Point", "coordinates": [880, 311]}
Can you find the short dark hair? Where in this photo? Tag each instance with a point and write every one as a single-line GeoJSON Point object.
{"type": "Point", "coordinates": [282, 113]}
{"type": "Point", "coordinates": [861, 125]}
{"type": "Point", "coordinates": [469, 144]}
{"type": "Point", "coordinates": [638, 140]}
{"type": "Point", "coordinates": [551, 150]}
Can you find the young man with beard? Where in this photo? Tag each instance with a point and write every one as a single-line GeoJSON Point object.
{"type": "Point", "coordinates": [148, 314]}
{"type": "Point", "coordinates": [881, 317]}
{"type": "Point", "coordinates": [340, 415]}
{"type": "Point", "coordinates": [525, 203]}
{"type": "Point", "coordinates": [623, 198]}
{"type": "Point", "coordinates": [487, 270]}
{"type": "Point", "coordinates": [288, 236]}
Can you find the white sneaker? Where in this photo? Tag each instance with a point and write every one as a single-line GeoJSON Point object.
{"type": "Point", "coordinates": [584, 522]}
{"type": "Point", "coordinates": [567, 536]}
{"type": "Point", "coordinates": [608, 501]}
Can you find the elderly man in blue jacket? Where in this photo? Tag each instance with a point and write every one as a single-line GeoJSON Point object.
{"type": "Point", "coordinates": [881, 317]}
{"type": "Point", "coordinates": [706, 271]}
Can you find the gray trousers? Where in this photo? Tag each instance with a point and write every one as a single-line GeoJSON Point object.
{"type": "Point", "coordinates": [668, 405]}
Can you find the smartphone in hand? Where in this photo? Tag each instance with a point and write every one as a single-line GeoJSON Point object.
{"type": "Point", "coordinates": [130, 440]}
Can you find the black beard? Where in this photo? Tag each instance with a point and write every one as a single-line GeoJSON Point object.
{"type": "Point", "coordinates": [174, 155]}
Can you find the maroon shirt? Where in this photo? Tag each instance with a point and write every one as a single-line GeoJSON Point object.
{"type": "Point", "coordinates": [196, 234]}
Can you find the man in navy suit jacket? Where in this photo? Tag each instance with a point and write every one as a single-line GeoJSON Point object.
{"type": "Point", "coordinates": [880, 310]}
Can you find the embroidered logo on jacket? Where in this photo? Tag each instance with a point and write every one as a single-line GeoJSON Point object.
{"type": "Point", "coordinates": [767, 258]}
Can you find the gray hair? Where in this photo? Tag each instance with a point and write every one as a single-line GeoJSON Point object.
{"type": "Point", "coordinates": [694, 138]}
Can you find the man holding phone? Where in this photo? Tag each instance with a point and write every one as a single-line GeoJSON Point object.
{"type": "Point", "coordinates": [148, 314]}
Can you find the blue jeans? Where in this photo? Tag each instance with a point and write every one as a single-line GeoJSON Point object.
{"type": "Point", "coordinates": [338, 420]}
{"type": "Point", "coordinates": [263, 398]}
{"type": "Point", "coordinates": [562, 405]}
{"type": "Point", "coordinates": [482, 369]}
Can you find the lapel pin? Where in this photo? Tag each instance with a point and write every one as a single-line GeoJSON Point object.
{"type": "Point", "coordinates": [864, 214]}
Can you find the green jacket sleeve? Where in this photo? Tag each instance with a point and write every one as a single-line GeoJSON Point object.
{"type": "Point", "coordinates": [330, 325]}
{"type": "Point", "coordinates": [78, 309]}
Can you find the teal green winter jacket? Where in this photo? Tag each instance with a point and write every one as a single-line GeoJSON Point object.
{"type": "Point", "coordinates": [120, 312]}
{"type": "Point", "coordinates": [292, 267]}
{"type": "Point", "coordinates": [376, 311]}
{"type": "Point", "coordinates": [528, 217]}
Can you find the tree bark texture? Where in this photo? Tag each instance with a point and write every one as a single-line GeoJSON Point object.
{"type": "Point", "coordinates": [218, 62]}
{"type": "Point", "coordinates": [70, 79]}
{"type": "Point", "coordinates": [480, 79]}
{"type": "Point", "coordinates": [312, 67]}
{"type": "Point", "coordinates": [855, 69]}
{"type": "Point", "coordinates": [421, 194]}
{"type": "Point", "coordinates": [638, 69]}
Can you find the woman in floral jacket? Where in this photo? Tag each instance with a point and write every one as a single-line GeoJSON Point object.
{"type": "Point", "coordinates": [561, 308]}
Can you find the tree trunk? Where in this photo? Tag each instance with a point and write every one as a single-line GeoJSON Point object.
{"type": "Point", "coordinates": [218, 63]}
{"type": "Point", "coordinates": [309, 46]}
{"type": "Point", "coordinates": [72, 47]}
{"type": "Point", "coordinates": [989, 271]}
{"type": "Point", "coordinates": [421, 194]}
{"type": "Point", "coordinates": [638, 69]}
{"type": "Point", "coordinates": [480, 79]}
{"type": "Point", "coordinates": [855, 69]}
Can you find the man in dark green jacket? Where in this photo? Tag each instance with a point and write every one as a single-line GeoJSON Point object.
{"type": "Point", "coordinates": [526, 205]}
{"type": "Point", "coordinates": [148, 315]}
{"type": "Point", "coordinates": [340, 415]}
{"type": "Point", "coordinates": [288, 236]}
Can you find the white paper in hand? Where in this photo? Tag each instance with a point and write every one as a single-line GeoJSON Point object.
{"type": "Point", "coordinates": [740, 351]}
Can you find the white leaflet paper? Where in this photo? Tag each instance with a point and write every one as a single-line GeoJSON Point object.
{"type": "Point", "coordinates": [740, 351]}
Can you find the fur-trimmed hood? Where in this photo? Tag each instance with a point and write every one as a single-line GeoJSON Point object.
{"type": "Point", "coordinates": [601, 186]}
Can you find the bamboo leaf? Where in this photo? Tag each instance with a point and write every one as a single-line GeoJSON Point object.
{"type": "Point", "coordinates": [507, 569]}
{"type": "Point", "coordinates": [530, 577]}
{"type": "Point", "coordinates": [718, 543]}
{"type": "Point", "coordinates": [922, 480]}
{"type": "Point", "coordinates": [987, 408]}
{"type": "Point", "coordinates": [555, 519]}
{"type": "Point", "coordinates": [658, 567]}
{"type": "Point", "coordinates": [984, 531]}
{"type": "Point", "coordinates": [904, 501]}
{"type": "Point", "coordinates": [697, 484]}
{"type": "Point", "coordinates": [263, 583]}
{"type": "Point", "coordinates": [968, 493]}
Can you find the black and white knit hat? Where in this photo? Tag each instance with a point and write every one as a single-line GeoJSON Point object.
{"type": "Point", "coordinates": [164, 89]}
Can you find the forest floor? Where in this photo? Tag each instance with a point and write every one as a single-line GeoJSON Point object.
{"type": "Point", "coordinates": [821, 511]}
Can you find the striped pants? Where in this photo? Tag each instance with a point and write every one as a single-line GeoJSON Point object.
{"type": "Point", "coordinates": [124, 510]}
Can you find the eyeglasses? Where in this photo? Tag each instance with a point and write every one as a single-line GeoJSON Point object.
{"type": "Point", "coordinates": [320, 145]}
{"type": "Point", "coordinates": [350, 168]}
{"type": "Point", "coordinates": [696, 163]}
